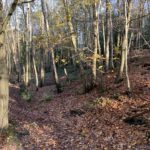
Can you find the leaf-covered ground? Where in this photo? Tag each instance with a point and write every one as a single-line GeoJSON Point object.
{"type": "Point", "coordinates": [93, 121]}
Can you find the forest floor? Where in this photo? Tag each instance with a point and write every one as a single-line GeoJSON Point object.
{"type": "Point", "coordinates": [92, 121]}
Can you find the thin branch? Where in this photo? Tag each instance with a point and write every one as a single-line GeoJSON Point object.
{"type": "Point", "coordinates": [11, 10]}
{"type": "Point", "coordinates": [146, 15]}
{"type": "Point", "coordinates": [24, 2]}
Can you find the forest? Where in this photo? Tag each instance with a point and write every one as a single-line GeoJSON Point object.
{"type": "Point", "coordinates": [74, 74]}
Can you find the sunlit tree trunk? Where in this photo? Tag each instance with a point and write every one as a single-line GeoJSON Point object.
{"type": "Point", "coordinates": [42, 67]}
{"type": "Point", "coordinates": [124, 48]}
{"type": "Point", "coordinates": [3, 83]}
{"type": "Point", "coordinates": [127, 16]}
{"type": "Point", "coordinates": [16, 55]}
{"type": "Point", "coordinates": [96, 38]}
{"type": "Point", "coordinates": [4, 90]}
{"type": "Point", "coordinates": [3, 78]}
{"type": "Point", "coordinates": [42, 54]}
{"type": "Point", "coordinates": [124, 54]}
{"type": "Point", "coordinates": [30, 39]}
{"type": "Point", "coordinates": [27, 46]}
{"type": "Point", "coordinates": [118, 34]}
{"type": "Point", "coordinates": [35, 70]}
{"type": "Point", "coordinates": [18, 50]}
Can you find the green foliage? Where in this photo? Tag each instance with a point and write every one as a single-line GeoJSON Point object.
{"type": "Point", "coordinates": [10, 134]}
{"type": "Point", "coordinates": [22, 89]}
{"type": "Point", "coordinates": [88, 84]}
{"type": "Point", "coordinates": [97, 103]}
{"type": "Point", "coordinates": [46, 97]}
{"type": "Point", "coordinates": [101, 87]}
{"type": "Point", "coordinates": [88, 106]}
{"type": "Point", "coordinates": [116, 96]}
{"type": "Point", "coordinates": [25, 94]}
{"type": "Point", "coordinates": [116, 49]}
{"type": "Point", "coordinates": [73, 77]}
{"type": "Point", "coordinates": [64, 61]}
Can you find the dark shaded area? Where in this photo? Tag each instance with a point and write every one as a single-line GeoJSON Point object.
{"type": "Point", "coordinates": [136, 121]}
{"type": "Point", "coordinates": [76, 112]}
{"type": "Point", "coordinates": [146, 65]}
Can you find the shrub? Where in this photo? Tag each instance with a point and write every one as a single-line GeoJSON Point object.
{"type": "Point", "coordinates": [46, 97]}
{"type": "Point", "coordinates": [26, 96]}
{"type": "Point", "coordinates": [24, 93]}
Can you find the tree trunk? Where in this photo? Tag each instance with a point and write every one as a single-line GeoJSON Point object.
{"type": "Point", "coordinates": [124, 54]}
{"type": "Point", "coordinates": [111, 43]}
{"type": "Point", "coordinates": [18, 51]}
{"type": "Point", "coordinates": [35, 71]}
{"type": "Point", "coordinates": [107, 54]}
{"type": "Point", "coordinates": [4, 88]}
{"type": "Point", "coordinates": [96, 38]}
{"type": "Point", "coordinates": [124, 47]}
{"type": "Point", "coordinates": [42, 67]}
{"type": "Point", "coordinates": [104, 37]}
{"type": "Point", "coordinates": [27, 46]}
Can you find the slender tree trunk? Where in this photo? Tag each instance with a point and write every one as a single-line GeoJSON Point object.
{"type": "Point", "coordinates": [27, 46]}
{"type": "Point", "coordinates": [118, 34]}
{"type": "Point", "coordinates": [126, 49]}
{"type": "Point", "coordinates": [107, 53]}
{"type": "Point", "coordinates": [42, 54]}
{"type": "Point", "coordinates": [16, 56]}
{"type": "Point", "coordinates": [103, 30]}
{"type": "Point", "coordinates": [30, 40]}
{"type": "Point", "coordinates": [18, 51]}
{"type": "Point", "coordinates": [125, 37]}
{"type": "Point", "coordinates": [111, 43]}
{"type": "Point", "coordinates": [124, 56]}
{"type": "Point", "coordinates": [35, 70]}
{"type": "Point", "coordinates": [96, 38]}
{"type": "Point", "coordinates": [118, 40]}
{"type": "Point", "coordinates": [42, 67]}
{"type": "Point", "coordinates": [130, 42]}
{"type": "Point", "coordinates": [57, 82]}
{"type": "Point", "coordinates": [99, 43]}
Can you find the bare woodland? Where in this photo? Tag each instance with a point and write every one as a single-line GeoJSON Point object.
{"type": "Point", "coordinates": [75, 74]}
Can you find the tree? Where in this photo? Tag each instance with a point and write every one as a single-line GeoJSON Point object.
{"type": "Point", "coordinates": [96, 38]}
{"type": "Point", "coordinates": [47, 30]}
{"type": "Point", "coordinates": [124, 48]}
{"type": "Point", "coordinates": [4, 90]}
{"type": "Point", "coordinates": [107, 53]}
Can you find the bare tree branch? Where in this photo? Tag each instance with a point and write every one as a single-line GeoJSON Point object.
{"type": "Point", "coordinates": [6, 20]}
